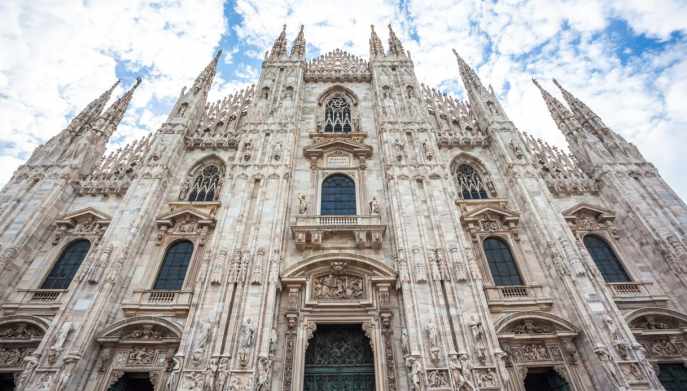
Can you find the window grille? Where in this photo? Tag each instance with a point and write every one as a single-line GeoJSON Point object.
{"type": "Point", "coordinates": [338, 196]}
{"type": "Point", "coordinates": [205, 186]}
{"type": "Point", "coordinates": [605, 259]}
{"type": "Point", "coordinates": [337, 116]}
{"type": "Point", "coordinates": [469, 182]}
{"type": "Point", "coordinates": [174, 266]}
{"type": "Point", "coordinates": [67, 265]}
{"type": "Point", "coordinates": [501, 262]}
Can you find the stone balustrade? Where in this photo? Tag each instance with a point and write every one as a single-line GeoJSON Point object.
{"type": "Point", "coordinates": [158, 301]}
{"type": "Point", "coordinates": [310, 231]}
{"type": "Point", "coordinates": [522, 297]}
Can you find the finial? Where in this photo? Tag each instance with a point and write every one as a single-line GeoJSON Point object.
{"type": "Point", "coordinates": [557, 84]}
{"type": "Point", "coordinates": [372, 26]}
{"type": "Point", "coordinates": [302, 26]}
{"type": "Point", "coordinates": [138, 81]}
{"type": "Point", "coordinates": [219, 53]}
{"type": "Point", "coordinates": [283, 28]}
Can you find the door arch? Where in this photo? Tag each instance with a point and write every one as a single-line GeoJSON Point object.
{"type": "Point", "coordinates": [339, 357]}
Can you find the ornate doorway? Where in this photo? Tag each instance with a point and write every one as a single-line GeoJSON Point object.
{"type": "Point", "coordinates": [545, 379]}
{"type": "Point", "coordinates": [673, 376]}
{"type": "Point", "coordinates": [339, 357]}
{"type": "Point", "coordinates": [133, 381]}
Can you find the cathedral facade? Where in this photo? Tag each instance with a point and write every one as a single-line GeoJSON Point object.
{"type": "Point", "coordinates": [339, 226]}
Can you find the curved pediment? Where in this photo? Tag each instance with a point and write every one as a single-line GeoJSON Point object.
{"type": "Point", "coordinates": [530, 324]}
{"type": "Point", "coordinates": [656, 319]}
{"type": "Point", "coordinates": [339, 263]}
{"type": "Point", "coordinates": [141, 330]}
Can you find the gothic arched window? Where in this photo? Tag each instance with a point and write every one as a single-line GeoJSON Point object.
{"type": "Point", "coordinates": [338, 196]}
{"type": "Point", "coordinates": [605, 259]}
{"type": "Point", "coordinates": [469, 182]}
{"type": "Point", "coordinates": [205, 185]}
{"type": "Point", "coordinates": [337, 115]}
{"type": "Point", "coordinates": [66, 266]}
{"type": "Point", "coordinates": [501, 262]}
{"type": "Point", "coordinates": [174, 265]}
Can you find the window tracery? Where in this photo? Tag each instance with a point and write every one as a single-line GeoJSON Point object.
{"type": "Point", "coordinates": [469, 182]}
{"type": "Point", "coordinates": [205, 183]}
{"type": "Point", "coordinates": [337, 115]}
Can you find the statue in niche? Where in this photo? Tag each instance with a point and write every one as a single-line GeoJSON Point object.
{"type": "Point", "coordinates": [302, 204]}
{"type": "Point", "coordinates": [174, 368]}
{"type": "Point", "coordinates": [246, 341]}
{"type": "Point", "coordinates": [405, 342]}
{"type": "Point", "coordinates": [459, 373]}
{"type": "Point", "coordinates": [478, 335]}
{"type": "Point", "coordinates": [58, 341]}
{"type": "Point", "coordinates": [429, 155]}
{"type": "Point", "coordinates": [264, 374]}
{"type": "Point", "coordinates": [374, 206]}
{"type": "Point", "coordinates": [433, 340]}
{"type": "Point", "coordinates": [416, 373]}
{"type": "Point", "coordinates": [210, 373]}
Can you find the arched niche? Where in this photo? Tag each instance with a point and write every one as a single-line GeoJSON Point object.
{"type": "Point", "coordinates": [20, 335]}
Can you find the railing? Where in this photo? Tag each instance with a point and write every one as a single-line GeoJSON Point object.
{"type": "Point", "coordinates": [40, 296]}
{"type": "Point", "coordinates": [629, 289]}
{"type": "Point", "coordinates": [162, 297]}
{"type": "Point", "coordinates": [514, 292]}
{"type": "Point", "coordinates": [319, 220]}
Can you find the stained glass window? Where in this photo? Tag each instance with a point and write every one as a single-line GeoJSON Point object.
{"type": "Point", "coordinates": [501, 262]}
{"type": "Point", "coordinates": [174, 266]}
{"type": "Point", "coordinates": [66, 266]}
{"type": "Point", "coordinates": [605, 259]}
{"type": "Point", "coordinates": [337, 115]}
{"type": "Point", "coordinates": [469, 182]}
{"type": "Point", "coordinates": [338, 196]}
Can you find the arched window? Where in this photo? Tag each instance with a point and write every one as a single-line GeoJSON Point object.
{"type": "Point", "coordinates": [338, 196]}
{"type": "Point", "coordinates": [469, 182]}
{"type": "Point", "coordinates": [66, 266]}
{"type": "Point", "coordinates": [605, 259]}
{"type": "Point", "coordinates": [174, 266]}
{"type": "Point", "coordinates": [501, 262]}
{"type": "Point", "coordinates": [205, 185]}
{"type": "Point", "coordinates": [337, 115]}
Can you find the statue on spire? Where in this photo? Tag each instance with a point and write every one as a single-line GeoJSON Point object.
{"type": "Point", "coordinates": [395, 45]}
{"type": "Point", "coordinates": [298, 47]}
{"type": "Point", "coordinates": [376, 48]}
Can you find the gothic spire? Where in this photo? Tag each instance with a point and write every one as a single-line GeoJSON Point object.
{"type": "Point", "coordinates": [298, 47]}
{"type": "Point", "coordinates": [470, 79]}
{"type": "Point", "coordinates": [113, 115]}
{"type": "Point", "coordinates": [91, 112]}
{"type": "Point", "coordinates": [582, 112]}
{"type": "Point", "coordinates": [395, 45]}
{"type": "Point", "coordinates": [564, 119]}
{"type": "Point", "coordinates": [280, 46]}
{"type": "Point", "coordinates": [204, 80]}
{"type": "Point", "coordinates": [376, 48]}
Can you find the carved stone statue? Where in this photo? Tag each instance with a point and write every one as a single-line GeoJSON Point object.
{"type": "Point", "coordinates": [302, 204]}
{"type": "Point", "coordinates": [374, 206]}
{"type": "Point", "coordinates": [416, 373]}
{"type": "Point", "coordinates": [405, 342]}
{"type": "Point", "coordinates": [460, 378]}
{"type": "Point", "coordinates": [433, 340]}
{"type": "Point", "coordinates": [264, 374]}
{"type": "Point", "coordinates": [246, 341]}
{"type": "Point", "coordinates": [478, 335]}
{"type": "Point", "coordinates": [274, 340]}
{"type": "Point", "coordinates": [174, 373]}
{"type": "Point", "coordinates": [58, 341]}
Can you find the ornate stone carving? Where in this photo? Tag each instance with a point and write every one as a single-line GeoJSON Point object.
{"type": "Point", "coordinates": [58, 341]}
{"type": "Point", "coordinates": [478, 337]}
{"type": "Point", "coordinates": [530, 326]}
{"type": "Point", "coordinates": [88, 223]}
{"type": "Point", "coordinates": [416, 374]}
{"type": "Point", "coordinates": [433, 340]}
{"type": "Point", "coordinates": [437, 378]}
{"type": "Point", "coordinates": [246, 341]}
{"type": "Point", "coordinates": [185, 222]}
{"type": "Point", "coordinates": [338, 287]}
{"type": "Point", "coordinates": [337, 66]}
{"type": "Point", "coordinates": [486, 378]}
{"type": "Point", "coordinates": [141, 356]}
{"type": "Point", "coordinates": [264, 374]}
{"type": "Point", "coordinates": [19, 331]}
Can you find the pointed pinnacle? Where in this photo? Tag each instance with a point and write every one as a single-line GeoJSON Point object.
{"type": "Point", "coordinates": [219, 53]}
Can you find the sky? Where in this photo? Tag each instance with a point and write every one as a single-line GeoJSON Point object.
{"type": "Point", "coordinates": [627, 59]}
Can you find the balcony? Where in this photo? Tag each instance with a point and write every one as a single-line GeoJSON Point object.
{"type": "Point", "coordinates": [629, 295]}
{"type": "Point", "coordinates": [310, 231]}
{"type": "Point", "coordinates": [518, 297]}
{"type": "Point", "coordinates": [158, 302]}
{"type": "Point", "coordinates": [45, 301]}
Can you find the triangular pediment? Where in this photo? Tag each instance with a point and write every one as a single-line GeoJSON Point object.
{"type": "Point", "coordinates": [81, 215]}
{"type": "Point", "coordinates": [491, 212]}
{"type": "Point", "coordinates": [355, 148]}
{"type": "Point", "coordinates": [583, 209]}
{"type": "Point", "coordinates": [186, 214]}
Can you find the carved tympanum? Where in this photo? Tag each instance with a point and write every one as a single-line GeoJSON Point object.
{"type": "Point", "coordinates": [338, 287]}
